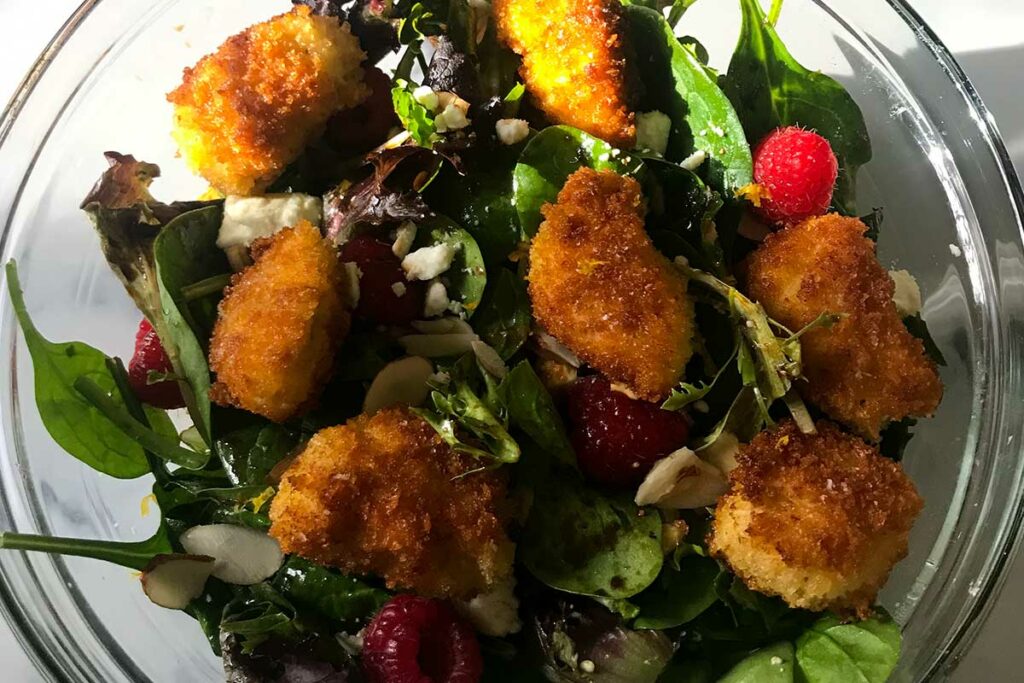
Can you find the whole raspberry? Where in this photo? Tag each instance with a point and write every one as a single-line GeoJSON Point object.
{"type": "Point", "coordinates": [618, 439]}
{"type": "Point", "coordinates": [381, 275]}
{"type": "Point", "coordinates": [420, 640]}
{"type": "Point", "coordinates": [797, 170]}
{"type": "Point", "coordinates": [150, 356]}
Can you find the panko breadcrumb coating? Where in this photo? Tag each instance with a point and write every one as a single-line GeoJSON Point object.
{"type": "Point", "coordinates": [280, 325]}
{"type": "Point", "coordinates": [246, 111]}
{"type": "Point", "coordinates": [817, 519]}
{"type": "Point", "coordinates": [383, 495]}
{"type": "Point", "coordinates": [573, 62]}
{"type": "Point", "coordinates": [601, 288]}
{"type": "Point", "coordinates": [867, 369]}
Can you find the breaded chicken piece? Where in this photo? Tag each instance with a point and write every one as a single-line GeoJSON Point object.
{"type": "Point", "coordinates": [384, 495]}
{"type": "Point", "coordinates": [817, 519]}
{"type": "Point", "coordinates": [246, 111]}
{"type": "Point", "coordinates": [280, 325]}
{"type": "Point", "coordinates": [600, 287]}
{"type": "Point", "coordinates": [573, 62]}
{"type": "Point", "coordinates": [867, 369]}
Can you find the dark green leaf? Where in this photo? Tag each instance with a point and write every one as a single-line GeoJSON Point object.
{"type": "Point", "coordinates": [580, 541]}
{"type": "Point", "coordinates": [678, 597]}
{"type": "Point", "coordinates": [874, 222]}
{"type": "Point", "coordinates": [552, 156]}
{"type": "Point", "coordinates": [772, 664]}
{"type": "Point", "coordinates": [466, 279]}
{"type": "Point", "coordinates": [504, 318]}
{"type": "Point", "coordinates": [919, 328]}
{"type": "Point", "coordinates": [466, 423]}
{"type": "Point", "coordinates": [895, 437]}
{"type": "Point", "coordinates": [186, 253]}
{"type": "Point", "coordinates": [864, 651]}
{"type": "Point", "coordinates": [336, 596]}
{"type": "Point", "coordinates": [679, 85]}
{"type": "Point", "coordinates": [769, 88]}
{"type": "Point", "coordinates": [131, 554]}
{"type": "Point", "coordinates": [74, 423]}
{"type": "Point", "coordinates": [250, 452]}
{"type": "Point", "coordinates": [532, 410]}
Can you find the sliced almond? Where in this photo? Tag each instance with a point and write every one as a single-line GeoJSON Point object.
{"type": "Point", "coordinates": [438, 345]}
{"type": "Point", "coordinates": [174, 580]}
{"type": "Point", "coordinates": [722, 452]}
{"type": "Point", "coordinates": [489, 359]}
{"type": "Point", "coordinates": [243, 556]}
{"type": "Point", "coordinates": [449, 325]}
{"type": "Point", "coordinates": [681, 481]}
{"type": "Point", "coordinates": [401, 382]}
{"type": "Point", "coordinates": [553, 348]}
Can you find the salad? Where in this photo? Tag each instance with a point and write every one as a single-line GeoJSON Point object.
{"type": "Point", "coordinates": [511, 341]}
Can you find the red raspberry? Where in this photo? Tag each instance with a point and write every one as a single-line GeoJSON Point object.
{"type": "Point", "coordinates": [420, 640]}
{"type": "Point", "coordinates": [381, 270]}
{"type": "Point", "coordinates": [618, 439]}
{"type": "Point", "coordinates": [149, 357]}
{"type": "Point", "coordinates": [798, 169]}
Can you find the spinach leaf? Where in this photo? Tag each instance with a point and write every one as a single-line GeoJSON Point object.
{"type": "Point", "coordinates": [504, 318]}
{"type": "Point", "coordinates": [581, 541]}
{"type": "Point", "coordinates": [678, 597]}
{"type": "Point", "coordinates": [71, 420]}
{"type": "Point", "coordinates": [769, 88]}
{"type": "Point", "coordinates": [335, 596]}
{"type": "Point", "coordinates": [131, 554]}
{"type": "Point", "coordinates": [679, 85]}
{"type": "Point", "coordinates": [185, 253]}
{"type": "Point", "coordinates": [861, 651]}
{"type": "Point", "coordinates": [258, 613]}
{"type": "Point", "coordinates": [466, 279]}
{"type": "Point", "coordinates": [249, 452]}
{"type": "Point", "coordinates": [552, 156]}
{"type": "Point", "coordinates": [364, 354]}
{"type": "Point", "coordinates": [772, 664]}
{"type": "Point", "coordinates": [532, 410]}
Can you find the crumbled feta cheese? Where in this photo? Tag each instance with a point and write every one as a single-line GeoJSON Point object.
{"type": "Point", "coordinates": [717, 130]}
{"type": "Point", "coordinates": [249, 218]}
{"type": "Point", "coordinates": [776, 661]}
{"type": "Point", "coordinates": [693, 162]}
{"type": "Point", "coordinates": [399, 289]}
{"type": "Point", "coordinates": [427, 263]}
{"type": "Point", "coordinates": [451, 117]}
{"type": "Point", "coordinates": [436, 300]}
{"type": "Point", "coordinates": [587, 666]}
{"type": "Point", "coordinates": [955, 251]}
{"type": "Point", "coordinates": [351, 275]}
{"type": "Point", "coordinates": [511, 131]}
{"type": "Point", "coordinates": [681, 481]}
{"type": "Point", "coordinates": [906, 294]}
{"type": "Point", "coordinates": [495, 613]}
{"type": "Point", "coordinates": [426, 96]}
{"type": "Point", "coordinates": [652, 131]}
{"type": "Point", "coordinates": [405, 235]}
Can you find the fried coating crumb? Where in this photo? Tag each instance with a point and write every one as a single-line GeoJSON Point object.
{"type": "Point", "coordinates": [280, 325]}
{"type": "Point", "coordinates": [867, 369]}
{"type": "Point", "coordinates": [817, 519]}
{"type": "Point", "coordinates": [601, 288]}
{"type": "Point", "coordinates": [246, 111]}
{"type": "Point", "coordinates": [382, 495]}
{"type": "Point", "coordinates": [573, 62]}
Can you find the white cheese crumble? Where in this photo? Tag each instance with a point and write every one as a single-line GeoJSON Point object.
{"type": "Point", "coordinates": [436, 300]}
{"type": "Point", "coordinates": [452, 117]}
{"type": "Point", "coordinates": [405, 235]}
{"type": "Point", "coordinates": [693, 162]}
{"type": "Point", "coordinates": [427, 263]}
{"type": "Point", "coordinates": [351, 275]}
{"type": "Point", "coordinates": [495, 613]}
{"type": "Point", "coordinates": [955, 251]}
{"type": "Point", "coordinates": [249, 218]}
{"type": "Point", "coordinates": [511, 131]}
{"type": "Point", "coordinates": [652, 131]}
{"type": "Point", "coordinates": [399, 289]}
{"type": "Point", "coordinates": [906, 294]}
{"type": "Point", "coordinates": [426, 96]}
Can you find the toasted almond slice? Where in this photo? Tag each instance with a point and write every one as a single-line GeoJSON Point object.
{"type": "Point", "coordinates": [174, 580]}
{"type": "Point", "coordinates": [681, 481]}
{"type": "Point", "coordinates": [400, 382]}
{"type": "Point", "coordinates": [243, 556]}
{"type": "Point", "coordinates": [438, 345]}
{"type": "Point", "coordinates": [449, 325]}
{"type": "Point", "coordinates": [489, 359]}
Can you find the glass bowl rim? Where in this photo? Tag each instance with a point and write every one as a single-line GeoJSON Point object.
{"type": "Point", "coordinates": [967, 628]}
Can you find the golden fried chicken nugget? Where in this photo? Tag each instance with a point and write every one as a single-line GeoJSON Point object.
{"type": "Point", "coordinates": [817, 519]}
{"type": "Point", "coordinates": [384, 495]}
{"type": "Point", "coordinates": [280, 325]}
{"type": "Point", "coordinates": [601, 288]}
{"type": "Point", "coordinates": [246, 111]}
{"type": "Point", "coordinates": [573, 62]}
{"type": "Point", "coordinates": [867, 369]}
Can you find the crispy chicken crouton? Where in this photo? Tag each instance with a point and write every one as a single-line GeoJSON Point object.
{"type": "Point", "coordinates": [280, 325]}
{"type": "Point", "coordinates": [246, 111]}
{"type": "Point", "coordinates": [867, 369]}
{"type": "Point", "coordinates": [601, 288]}
{"type": "Point", "coordinates": [817, 519]}
{"type": "Point", "coordinates": [573, 62]}
{"type": "Point", "coordinates": [383, 495]}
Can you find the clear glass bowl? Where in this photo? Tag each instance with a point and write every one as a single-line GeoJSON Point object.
{"type": "Point", "coordinates": [952, 217]}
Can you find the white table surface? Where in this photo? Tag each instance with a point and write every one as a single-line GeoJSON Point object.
{"type": "Point", "coordinates": [987, 38]}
